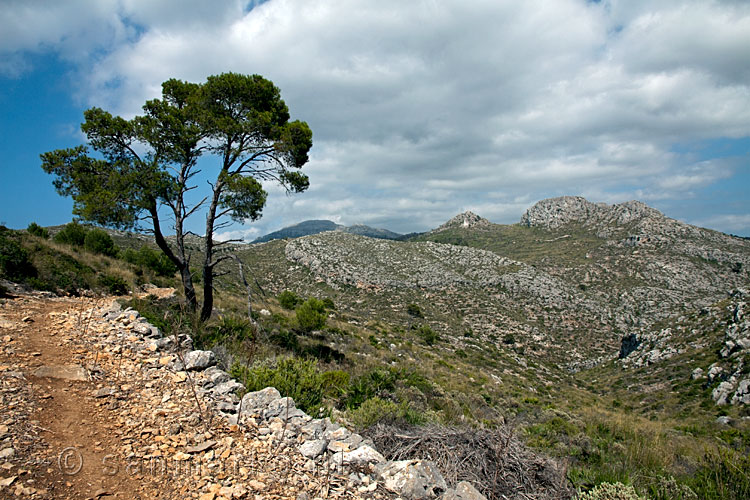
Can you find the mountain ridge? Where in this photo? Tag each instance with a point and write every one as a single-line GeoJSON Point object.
{"type": "Point", "coordinates": [310, 227]}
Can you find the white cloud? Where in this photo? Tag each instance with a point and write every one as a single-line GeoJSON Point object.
{"type": "Point", "coordinates": [421, 109]}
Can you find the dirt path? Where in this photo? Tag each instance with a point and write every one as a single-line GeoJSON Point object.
{"type": "Point", "coordinates": [60, 435]}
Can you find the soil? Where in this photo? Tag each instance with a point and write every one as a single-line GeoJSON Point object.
{"type": "Point", "coordinates": [61, 435]}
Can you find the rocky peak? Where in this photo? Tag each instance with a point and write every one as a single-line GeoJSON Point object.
{"type": "Point", "coordinates": [553, 213]}
{"type": "Point", "coordinates": [465, 220]}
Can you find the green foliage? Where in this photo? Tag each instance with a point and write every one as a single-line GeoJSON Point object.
{"type": "Point", "coordinates": [160, 313]}
{"type": "Point", "coordinates": [335, 383]}
{"type": "Point", "coordinates": [328, 304]}
{"type": "Point", "coordinates": [724, 474]}
{"type": "Point", "coordinates": [289, 299]}
{"type": "Point", "coordinates": [38, 231]}
{"type": "Point", "coordinates": [71, 234]}
{"type": "Point", "coordinates": [228, 328]}
{"type": "Point", "coordinates": [611, 491]}
{"type": "Point", "coordinates": [376, 410]}
{"type": "Point", "coordinates": [414, 310]}
{"type": "Point", "coordinates": [297, 378]}
{"type": "Point", "coordinates": [243, 196]}
{"type": "Point", "coordinates": [144, 164]}
{"type": "Point", "coordinates": [113, 284]}
{"type": "Point", "coordinates": [14, 259]}
{"type": "Point", "coordinates": [57, 271]}
{"type": "Point", "coordinates": [427, 334]}
{"type": "Point", "coordinates": [311, 315]}
{"type": "Point", "coordinates": [148, 258]}
{"type": "Point", "coordinates": [380, 382]}
{"type": "Point", "coordinates": [98, 241]}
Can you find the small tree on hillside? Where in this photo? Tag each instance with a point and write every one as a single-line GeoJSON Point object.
{"type": "Point", "coordinates": [146, 164]}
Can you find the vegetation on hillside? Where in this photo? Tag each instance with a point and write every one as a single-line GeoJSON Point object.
{"type": "Point", "coordinates": [401, 359]}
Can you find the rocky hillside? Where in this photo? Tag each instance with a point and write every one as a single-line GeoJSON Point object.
{"type": "Point", "coordinates": [571, 270]}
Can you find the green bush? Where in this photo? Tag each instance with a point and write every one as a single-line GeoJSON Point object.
{"type": "Point", "coordinates": [328, 303]}
{"type": "Point", "coordinates": [98, 241]}
{"type": "Point", "coordinates": [414, 310]}
{"type": "Point", "coordinates": [14, 259]}
{"type": "Point", "coordinates": [300, 379]}
{"type": "Point", "coordinates": [311, 315]}
{"type": "Point", "coordinates": [229, 328]}
{"type": "Point", "coordinates": [723, 474]}
{"type": "Point", "coordinates": [288, 299]}
{"type": "Point", "coordinates": [427, 334]}
{"type": "Point", "coordinates": [376, 410]}
{"type": "Point", "coordinates": [113, 284]}
{"type": "Point", "coordinates": [148, 258]}
{"type": "Point", "coordinates": [611, 491]}
{"type": "Point", "coordinates": [37, 230]}
{"type": "Point", "coordinates": [72, 234]}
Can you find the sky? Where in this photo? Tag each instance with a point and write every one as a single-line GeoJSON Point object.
{"type": "Point", "coordinates": [420, 110]}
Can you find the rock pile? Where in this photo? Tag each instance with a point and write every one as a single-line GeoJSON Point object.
{"type": "Point", "coordinates": [173, 408]}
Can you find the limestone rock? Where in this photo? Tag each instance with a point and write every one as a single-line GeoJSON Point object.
{"type": "Point", "coordinates": [65, 372]}
{"type": "Point", "coordinates": [199, 360]}
{"type": "Point", "coordinates": [365, 455]}
{"type": "Point", "coordinates": [463, 491]}
{"type": "Point", "coordinates": [314, 448]}
{"type": "Point", "coordinates": [413, 479]}
{"type": "Point", "coordinates": [259, 400]}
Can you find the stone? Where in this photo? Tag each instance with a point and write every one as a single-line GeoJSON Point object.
{"type": "Point", "coordinates": [229, 387]}
{"type": "Point", "coordinates": [283, 408]}
{"type": "Point", "coordinates": [216, 375]}
{"type": "Point", "coordinates": [104, 392]}
{"type": "Point", "coordinates": [697, 373]}
{"type": "Point", "coordinates": [205, 445]}
{"type": "Point", "coordinates": [721, 394]}
{"type": "Point", "coordinates": [259, 400]}
{"type": "Point", "coordinates": [314, 429]}
{"type": "Point", "coordinates": [314, 448]}
{"type": "Point", "coordinates": [724, 420]}
{"type": "Point", "coordinates": [412, 479]}
{"type": "Point", "coordinates": [7, 453]}
{"type": "Point", "coordinates": [199, 360]}
{"type": "Point", "coordinates": [742, 395]}
{"type": "Point", "coordinates": [714, 372]}
{"type": "Point", "coordinates": [363, 455]}
{"type": "Point", "coordinates": [463, 491]}
{"type": "Point", "coordinates": [65, 372]}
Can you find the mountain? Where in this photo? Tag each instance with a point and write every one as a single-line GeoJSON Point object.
{"type": "Point", "coordinates": [311, 227]}
{"type": "Point", "coordinates": [612, 336]}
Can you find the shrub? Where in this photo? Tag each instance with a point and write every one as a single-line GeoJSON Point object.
{"type": "Point", "coordinates": [230, 328]}
{"type": "Point", "coordinates": [98, 241]}
{"type": "Point", "coordinates": [37, 230]}
{"type": "Point", "coordinates": [611, 491]}
{"type": "Point", "coordinates": [311, 315]}
{"type": "Point", "coordinates": [723, 474]}
{"type": "Point", "coordinates": [376, 410]}
{"type": "Point", "coordinates": [328, 303]}
{"type": "Point", "coordinates": [427, 334]}
{"type": "Point", "coordinates": [72, 234]}
{"type": "Point", "coordinates": [14, 260]}
{"type": "Point", "coordinates": [377, 382]}
{"type": "Point", "coordinates": [148, 258]}
{"type": "Point", "coordinates": [288, 299]}
{"type": "Point", "coordinates": [113, 284]}
{"type": "Point", "coordinates": [300, 379]}
{"type": "Point", "coordinates": [414, 310]}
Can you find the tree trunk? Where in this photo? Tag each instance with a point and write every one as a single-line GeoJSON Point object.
{"type": "Point", "coordinates": [181, 263]}
{"type": "Point", "coordinates": [208, 264]}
